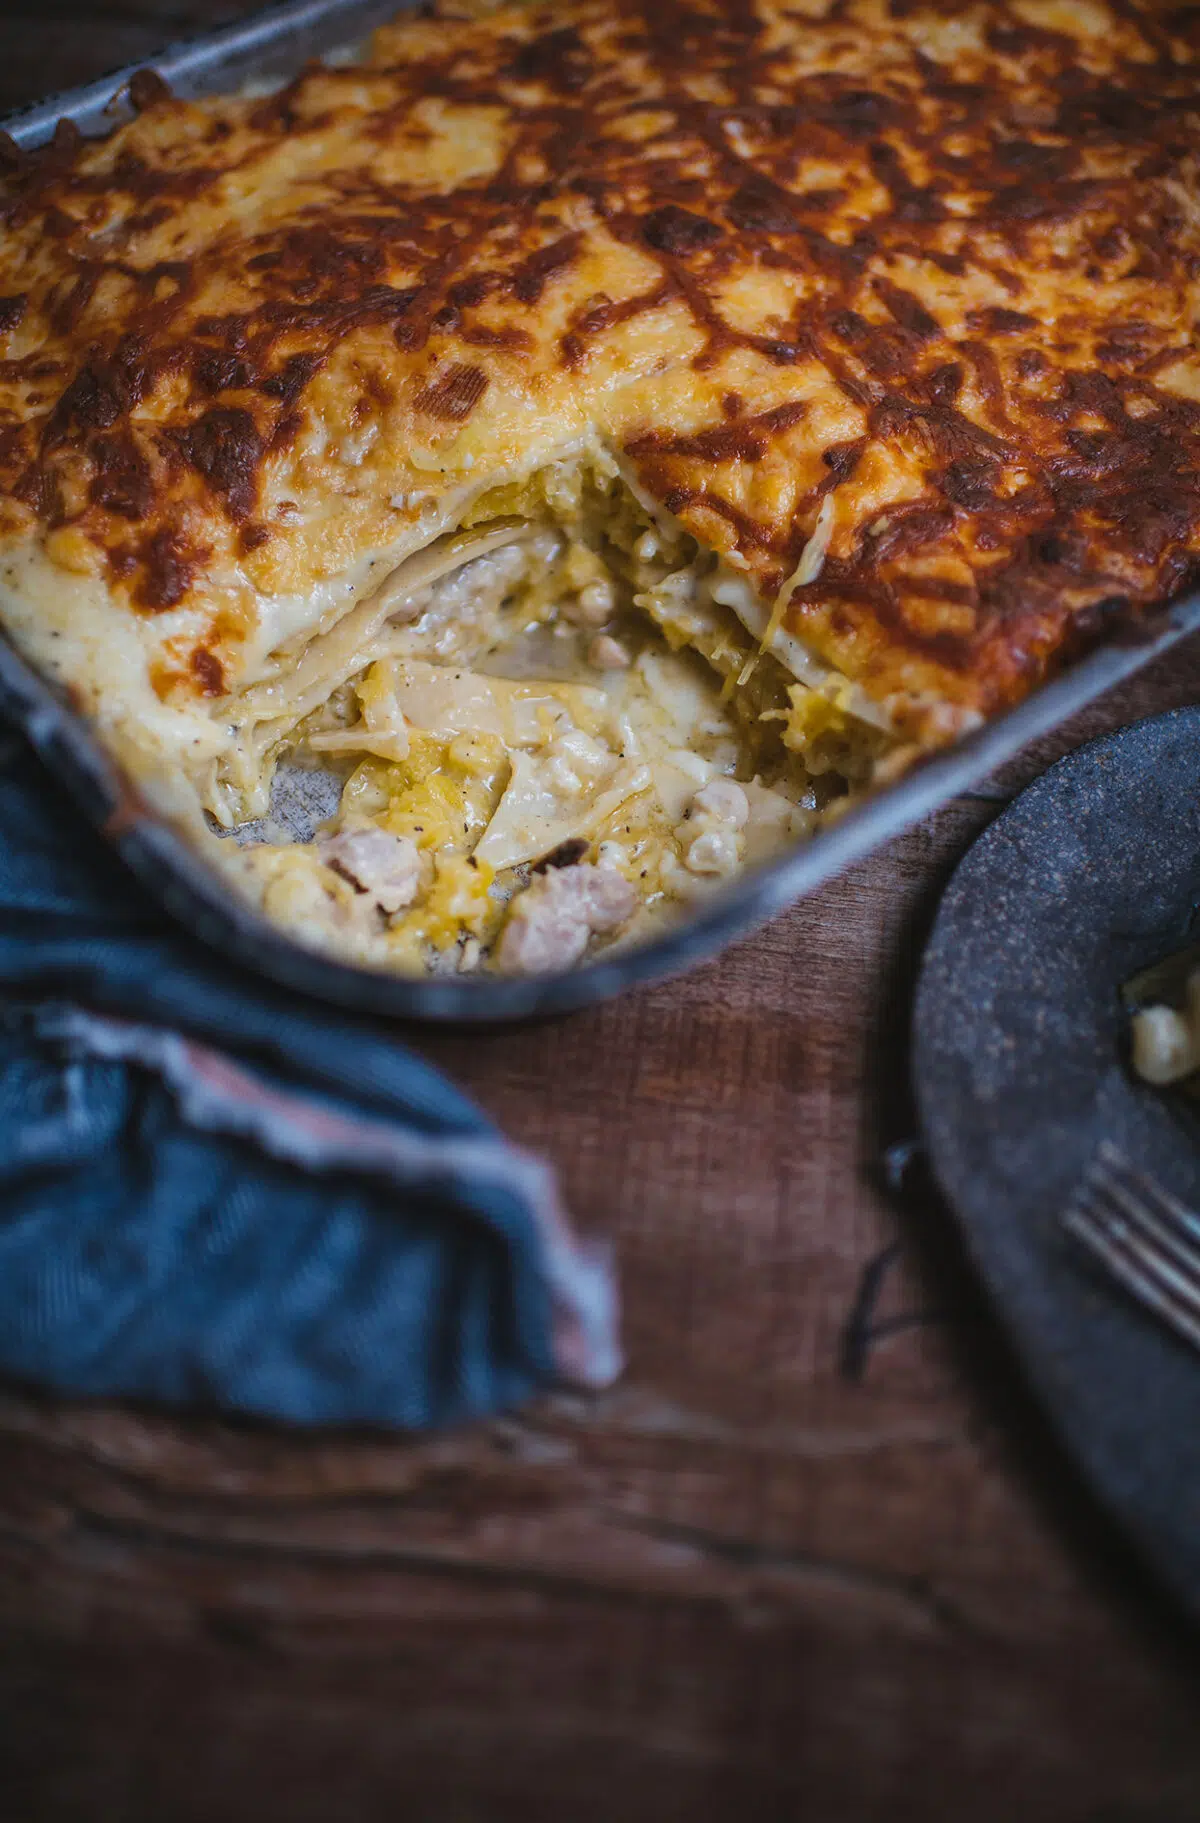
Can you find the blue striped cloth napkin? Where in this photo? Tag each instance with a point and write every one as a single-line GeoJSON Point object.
{"type": "Point", "coordinates": [216, 1194]}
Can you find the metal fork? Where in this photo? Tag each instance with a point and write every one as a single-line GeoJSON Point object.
{"type": "Point", "coordinates": [1148, 1241]}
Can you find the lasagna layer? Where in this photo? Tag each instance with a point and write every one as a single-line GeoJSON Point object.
{"type": "Point", "coordinates": [554, 686]}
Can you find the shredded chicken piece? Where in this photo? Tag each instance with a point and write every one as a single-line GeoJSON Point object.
{"type": "Point", "coordinates": [386, 866]}
{"type": "Point", "coordinates": [551, 921]}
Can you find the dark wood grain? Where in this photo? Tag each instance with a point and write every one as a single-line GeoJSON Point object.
{"type": "Point", "coordinates": [815, 1557]}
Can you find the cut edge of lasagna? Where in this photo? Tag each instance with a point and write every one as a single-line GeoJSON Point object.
{"type": "Point", "coordinates": [550, 729]}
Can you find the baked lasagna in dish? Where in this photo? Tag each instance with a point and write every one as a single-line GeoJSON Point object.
{"type": "Point", "coordinates": [596, 441]}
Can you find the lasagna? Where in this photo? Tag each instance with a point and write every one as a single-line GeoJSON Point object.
{"type": "Point", "coordinates": [580, 447]}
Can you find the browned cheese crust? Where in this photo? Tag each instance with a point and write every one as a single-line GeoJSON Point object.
{"type": "Point", "coordinates": [937, 261]}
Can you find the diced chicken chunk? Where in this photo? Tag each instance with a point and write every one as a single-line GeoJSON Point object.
{"type": "Point", "coordinates": [714, 852]}
{"type": "Point", "coordinates": [551, 921]}
{"type": "Point", "coordinates": [717, 816]}
{"type": "Point", "coordinates": [386, 866]}
{"type": "Point", "coordinates": [725, 800]}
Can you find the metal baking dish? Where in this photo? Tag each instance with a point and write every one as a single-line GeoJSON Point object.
{"type": "Point", "coordinates": [274, 44]}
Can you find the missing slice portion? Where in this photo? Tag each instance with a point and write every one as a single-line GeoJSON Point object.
{"type": "Point", "coordinates": [555, 730]}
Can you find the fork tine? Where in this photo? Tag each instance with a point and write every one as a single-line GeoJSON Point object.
{"type": "Point", "coordinates": [1145, 1223]}
{"type": "Point", "coordinates": [1140, 1248]}
{"type": "Point", "coordinates": [1112, 1162]}
{"type": "Point", "coordinates": [1129, 1270]}
{"type": "Point", "coordinates": [1147, 1240]}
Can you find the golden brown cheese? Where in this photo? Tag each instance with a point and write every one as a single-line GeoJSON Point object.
{"type": "Point", "coordinates": [922, 277]}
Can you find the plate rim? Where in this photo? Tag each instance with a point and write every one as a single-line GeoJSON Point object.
{"type": "Point", "coordinates": [1035, 1359]}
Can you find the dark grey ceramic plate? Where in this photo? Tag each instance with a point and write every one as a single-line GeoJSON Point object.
{"type": "Point", "coordinates": [1020, 1070]}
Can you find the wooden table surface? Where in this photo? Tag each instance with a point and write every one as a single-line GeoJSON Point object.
{"type": "Point", "coordinates": [816, 1556]}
